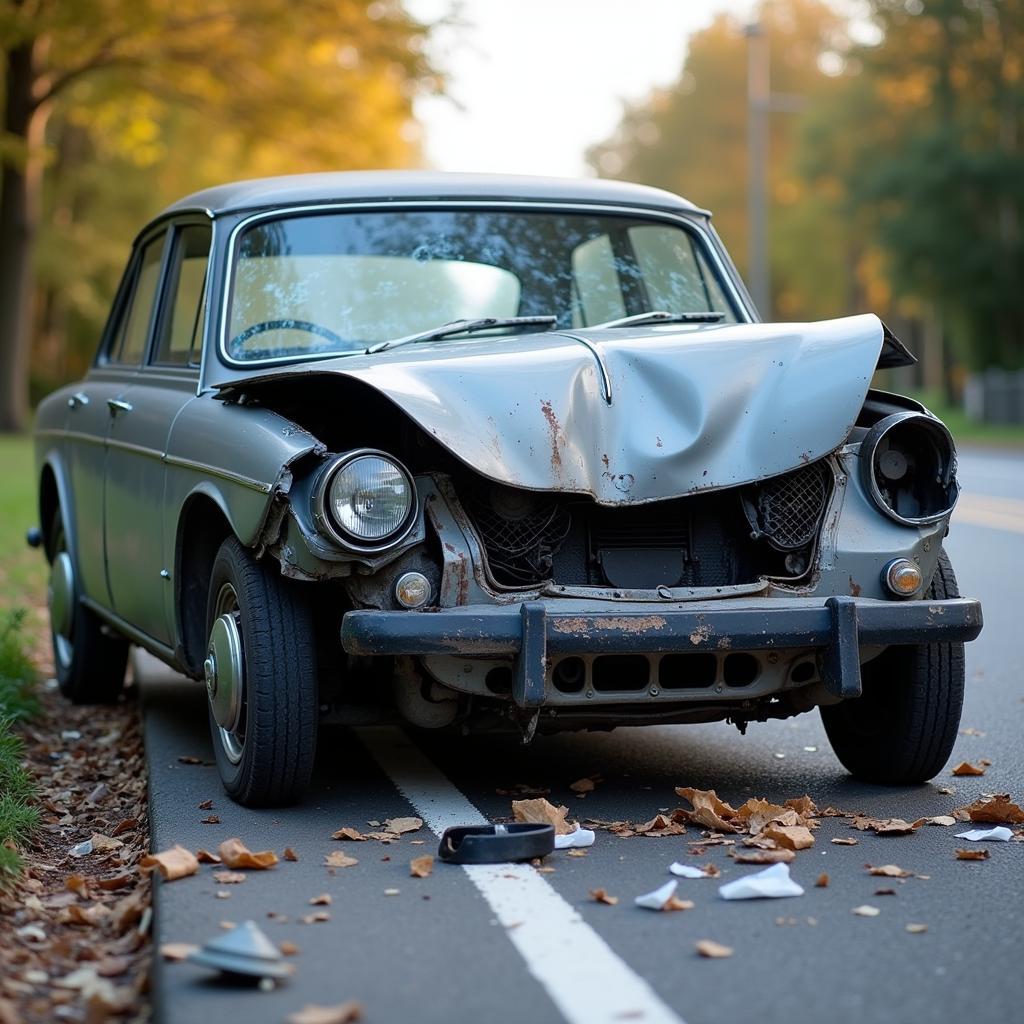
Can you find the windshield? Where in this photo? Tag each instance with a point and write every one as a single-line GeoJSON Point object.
{"type": "Point", "coordinates": [337, 283]}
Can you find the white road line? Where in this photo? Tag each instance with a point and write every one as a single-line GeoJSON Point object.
{"type": "Point", "coordinates": [586, 980]}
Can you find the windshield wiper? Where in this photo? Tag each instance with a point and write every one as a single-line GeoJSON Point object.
{"type": "Point", "coordinates": [465, 327]}
{"type": "Point", "coordinates": [661, 316]}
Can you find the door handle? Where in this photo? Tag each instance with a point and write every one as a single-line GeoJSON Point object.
{"type": "Point", "coordinates": [117, 405]}
{"type": "Point", "coordinates": [77, 399]}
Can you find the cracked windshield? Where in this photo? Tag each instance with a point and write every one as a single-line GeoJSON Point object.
{"type": "Point", "coordinates": [334, 284]}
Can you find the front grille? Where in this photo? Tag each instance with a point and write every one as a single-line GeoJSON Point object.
{"type": "Point", "coordinates": [789, 507]}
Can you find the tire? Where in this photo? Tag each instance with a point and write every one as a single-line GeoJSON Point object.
{"type": "Point", "coordinates": [265, 757]}
{"type": "Point", "coordinates": [89, 662]}
{"type": "Point", "coordinates": [902, 729]}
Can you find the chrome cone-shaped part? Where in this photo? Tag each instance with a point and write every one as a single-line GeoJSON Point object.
{"type": "Point", "coordinates": [244, 950]}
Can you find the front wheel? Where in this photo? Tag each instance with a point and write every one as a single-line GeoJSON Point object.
{"type": "Point", "coordinates": [902, 729]}
{"type": "Point", "coordinates": [260, 673]}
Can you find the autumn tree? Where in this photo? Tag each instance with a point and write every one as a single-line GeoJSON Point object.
{"type": "Point", "coordinates": [108, 103]}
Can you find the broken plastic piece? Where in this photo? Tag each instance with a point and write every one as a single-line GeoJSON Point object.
{"type": "Point", "coordinates": [81, 849]}
{"type": "Point", "coordinates": [773, 883]}
{"type": "Point", "coordinates": [575, 840]}
{"type": "Point", "coordinates": [656, 900]}
{"type": "Point", "coordinates": [496, 844]}
{"type": "Point", "coordinates": [1000, 834]}
{"type": "Point", "coordinates": [687, 871]}
{"type": "Point", "coordinates": [244, 951]}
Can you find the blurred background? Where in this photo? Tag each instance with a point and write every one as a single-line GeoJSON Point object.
{"type": "Point", "coordinates": [857, 154]}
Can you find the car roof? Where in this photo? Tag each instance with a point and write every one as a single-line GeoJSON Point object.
{"type": "Point", "coordinates": [349, 186]}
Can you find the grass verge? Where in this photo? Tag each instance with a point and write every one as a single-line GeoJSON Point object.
{"type": "Point", "coordinates": [18, 816]}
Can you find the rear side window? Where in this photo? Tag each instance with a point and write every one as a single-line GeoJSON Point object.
{"type": "Point", "coordinates": [181, 331]}
{"type": "Point", "coordinates": [129, 344]}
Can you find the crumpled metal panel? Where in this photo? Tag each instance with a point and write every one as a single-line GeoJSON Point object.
{"type": "Point", "coordinates": [692, 408]}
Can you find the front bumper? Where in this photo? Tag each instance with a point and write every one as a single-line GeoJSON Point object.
{"type": "Point", "coordinates": [534, 631]}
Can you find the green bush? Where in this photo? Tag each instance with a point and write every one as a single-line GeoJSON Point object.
{"type": "Point", "coordinates": [17, 672]}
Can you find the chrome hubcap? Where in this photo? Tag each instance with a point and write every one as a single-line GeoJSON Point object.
{"type": "Point", "coordinates": [61, 595]}
{"type": "Point", "coordinates": [224, 672]}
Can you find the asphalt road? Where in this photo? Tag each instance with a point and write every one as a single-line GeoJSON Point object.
{"type": "Point", "coordinates": [513, 946]}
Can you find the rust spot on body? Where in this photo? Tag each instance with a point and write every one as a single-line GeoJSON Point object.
{"type": "Point", "coordinates": [854, 588]}
{"type": "Point", "coordinates": [632, 624]}
{"type": "Point", "coordinates": [555, 428]}
{"type": "Point", "coordinates": [700, 635]}
{"type": "Point", "coordinates": [605, 460]}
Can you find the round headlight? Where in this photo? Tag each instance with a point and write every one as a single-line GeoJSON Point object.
{"type": "Point", "coordinates": [908, 466]}
{"type": "Point", "coordinates": [370, 499]}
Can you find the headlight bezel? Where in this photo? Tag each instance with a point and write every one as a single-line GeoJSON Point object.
{"type": "Point", "coordinates": [869, 447]}
{"type": "Point", "coordinates": [328, 524]}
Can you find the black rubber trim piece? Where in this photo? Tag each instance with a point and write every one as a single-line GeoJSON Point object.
{"type": "Point", "coordinates": [495, 844]}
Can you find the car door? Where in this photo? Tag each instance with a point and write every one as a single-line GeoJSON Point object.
{"type": "Point", "coordinates": [138, 566]}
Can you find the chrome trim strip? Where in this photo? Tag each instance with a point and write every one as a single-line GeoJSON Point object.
{"type": "Point", "coordinates": [692, 222]}
{"type": "Point", "coordinates": [222, 474]}
{"type": "Point", "coordinates": [606, 380]}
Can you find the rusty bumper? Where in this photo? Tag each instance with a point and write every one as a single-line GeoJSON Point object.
{"type": "Point", "coordinates": [534, 630]}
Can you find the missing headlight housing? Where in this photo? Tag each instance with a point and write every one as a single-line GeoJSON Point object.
{"type": "Point", "coordinates": [908, 466]}
{"type": "Point", "coordinates": [365, 500]}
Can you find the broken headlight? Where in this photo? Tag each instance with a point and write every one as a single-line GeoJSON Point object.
{"type": "Point", "coordinates": [908, 466]}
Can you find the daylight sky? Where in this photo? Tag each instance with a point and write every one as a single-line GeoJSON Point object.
{"type": "Point", "coordinates": [532, 83]}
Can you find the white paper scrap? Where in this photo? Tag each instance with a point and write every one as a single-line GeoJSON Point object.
{"type": "Point", "coordinates": [574, 840]}
{"type": "Point", "coordinates": [773, 882]}
{"type": "Point", "coordinates": [1001, 834]}
{"type": "Point", "coordinates": [687, 871]}
{"type": "Point", "coordinates": [657, 899]}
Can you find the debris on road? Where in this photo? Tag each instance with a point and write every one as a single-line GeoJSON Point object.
{"type": "Point", "coordinates": [713, 950]}
{"type": "Point", "coordinates": [941, 819]}
{"type": "Point", "coordinates": [972, 854]}
{"type": "Point", "coordinates": [601, 896]}
{"type": "Point", "coordinates": [689, 871]}
{"type": "Point", "coordinates": [822, 881]}
{"type": "Point", "coordinates": [343, 1013]}
{"type": "Point", "coordinates": [540, 812]}
{"type": "Point", "coordinates": [402, 825]}
{"type": "Point", "coordinates": [579, 838]}
{"type": "Point", "coordinates": [866, 911]}
{"type": "Point", "coordinates": [763, 855]}
{"type": "Point", "coordinates": [966, 768]}
{"type": "Point", "coordinates": [228, 877]}
{"type": "Point", "coordinates": [888, 871]}
{"type": "Point", "coordinates": [175, 952]}
{"type": "Point", "coordinates": [581, 787]}
{"type": "Point", "coordinates": [999, 834]}
{"type": "Point", "coordinates": [996, 808]}
{"type": "Point", "coordinates": [916, 929]}
{"type": "Point", "coordinates": [339, 860]}
{"type": "Point", "coordinates": [323, 900]}
{"type": "Point", "coordinates": [886, 826]}
{"type": "Point", "coordinates": [172, 864]}
{"type": "Point", "coordinates": [243, 952]}
{"type": "Point", "coordinates": [235, 854]}
{"type": "Point", "coordinates": [421, 867]}
{"type": "Point", "coordinates": [772, 883]}
{"type": "Point", "coordinates": [663, 898]}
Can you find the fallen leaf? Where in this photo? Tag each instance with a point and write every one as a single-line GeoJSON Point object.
{"type": "Point", "coordinates": [175, 952]}
{"type": "Point", "coordinates": [659, 826]}
{"type": "Point", "coordinates": [759, 856]}
{"type": "Point", "coordinates": [789, 837]}
{"type": "Point", "coordinates": [343, 1013]}
{"type": "Point", "coordinates": [822, 882]}
{"type": "Point", "coordinates": [972, 854]}
{"type": "Point", "coordinates": [127, 825]}
{"type": "Point", "coordinates": [206, 805]}
{"type": "Point", "coordinates": [77, 884]}
{"type": "Point", "coordinates": [288, 948]}
{"type": "Point", "coordinates": [117, 882]}
{"type": "Point", "coordinates": [400, 825]}
{"type": "Point", "coordinates": [945, 790]}
{"type": "Point", "coordinates": [210, 820]}
{"type": "Point", "coordinates": [172, 864]}
{"type": "Point", "coordinates": [601, 896]}
{"type": "Point", "coordinates": [885, 826]}
{"type": "Point", "coordinates": [323, 900]}
{"type": "Point", "coordinates": [708, 810]}
{"type": "Point", "coordinates": [235, 854]}
{"type": "Point", "coordinates": [349, 833]}
{"type": "Point", "coordinates": [205, 857]}
{"type": "Point", "coordinates": [713, 950]}
{"type": "Point", "coordinates": [290, 855]}
{"type": "Point", "coordinates": [575, 853]}
{"type": "Point", "coordinates": [228, 877]}
{"type": "Point", "coordinates": [804, 806]}
{"type": "Point", "coordinates": [997, 808]}
{"type": "Point", "coordinates": [316, 918]}
{"type": "Point", "coordinates": [540, 812]}
{"type": "Point", "coordinates": [966, 768]}
{"type": "Point", "coordinates": [941, 819]}
{"type": "Point", "coordinates": [339, 860]}
{"type": "Point", "coordinates": [888, 871]}
{"type": "Point", "coordinates": [421, 867]}
{"type": "Point", "coordinates": [759, 813]}
{"type": "Point", "coordinates": [583, 786]}
{"type": "Point", "coordinates": [866, 911]}
{"type": "Point", "coordinates": [916, 929]}
{"type": "Point", "coordinates": [104, 844]}
{"type": "Point", "coordinates": [845, 842]}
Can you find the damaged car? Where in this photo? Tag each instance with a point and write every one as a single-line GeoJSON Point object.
{"type": "Point", "coordinates": [488, 452]}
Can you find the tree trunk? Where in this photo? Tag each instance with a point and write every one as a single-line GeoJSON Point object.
{"type": "Point", "coordinates": [24, 122]}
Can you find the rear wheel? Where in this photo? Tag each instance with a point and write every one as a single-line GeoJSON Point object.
{"type": "Point", "coordinates": [90, 662]}
{"type": "Point", "coordinates": [902, 729]}
{"type": "Point", "coordinates": [261, 680]}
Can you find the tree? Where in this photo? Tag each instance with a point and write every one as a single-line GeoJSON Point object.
{"type": "Point", "coordinates": [185, 89]}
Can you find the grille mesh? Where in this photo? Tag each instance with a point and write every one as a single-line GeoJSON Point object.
{"type": "Point", "coordinates": [790, 506]}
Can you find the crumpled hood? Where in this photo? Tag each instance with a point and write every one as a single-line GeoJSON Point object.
{"type": "Point", "coordinates": [629, 415]}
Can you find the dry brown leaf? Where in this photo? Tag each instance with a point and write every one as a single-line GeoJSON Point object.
{"type": "Point", "coordinates": [317, 917]}
{"type": "Point", "coordinates": [886, 826]}
{"type": "Point", "coordinates": [758, 813]}
{"type": "Point", "coordinates": [583, 786]}
{"type": "Point", "coordinates": [400, 825]}
{"type": "Point", "coordinates": [758, 856]}
{"type": "Point", "coordinates": [972, 854]}
{"type": "Point", "coordinates": [540, 812]}
{"type": "Point", "coordinates": [288, 948]}
{"type": "Point", "coordinates": [576, 853]}
{"type": "Point", "coordinates": [708, 810]}
{"type": "Point", "coordinates": [804, 806]}
{"type": "Point", "coordinates": [211, 819]}
{"type": "Point", "coordinates": [343, 1013]}
{"type": "Point", "coordinates": [997, 809]}
{"type": "Point", "coordinates": [175, 952]}
{"type": "Point", "coordinates": [966, 768]}
{"type": "Point", "coordinates": [916, 929]}
{"type": "Point", "coordinates": [290, 855]}
{"type": "Point", "coordinates": [789, 837]}
{"type": "Point", "coordinates": [845, 842]}
{"type": "Point", "coordinates": [889, 871]}
{"type": "Point", "coordinates": [713, 950]}
{"type": "Point", "coordinates": [117, 882]}
{"type": "Point", "coordinates": [228, 877]}
{"type": "Point", "coordinates": [206, 805]}
{"type": "Point", "coordinates": [205, 857]}
{"type": "Point", "coordinates": [866, 911]}
{"type": "Point", "coordinates": [822, 882]}
{"type": "Point", "coordinates": [421, 867]}
{"type": "Point", "coordinates": [659, 826]}
{"type": "Point", "coordinates": [601, 896]}
{"type": "Point", "coordinates": [77, 884]}
{"type": "Point", "coordinates": [941, 819]}
{"type": "Point", "coordinates": [675, 903]}
{"type": "Point", "coordinates": [172, 864]}
{"type": "Point", "coordinates": [323, 900]}
{"type": "Point", "coordinates": [235, 854]}
{"type": "Point", "coordinates": [104, 844]}
{"type": "Point", "coordinates": [339, 860]}
{"type": "Point", "coordinates": [349, 833]}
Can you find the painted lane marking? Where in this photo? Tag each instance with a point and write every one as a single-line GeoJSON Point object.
{"type": "Point", "coordinates": [586, 980]}
{"type": "Point", "coordinates": [996, 517]}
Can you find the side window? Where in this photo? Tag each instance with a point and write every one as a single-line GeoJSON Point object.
{"type": "Point", "coordinates": [129, 346]}
{"type": "Point", "coordinates": [181, 330]}
{"type": "Point", "coordinates": [598, 296]}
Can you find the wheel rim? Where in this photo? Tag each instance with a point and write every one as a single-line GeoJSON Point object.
{"type": "Point", "coordinates": [224, 672]}
{"type": "Point", "coordinates": [60, 594]}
